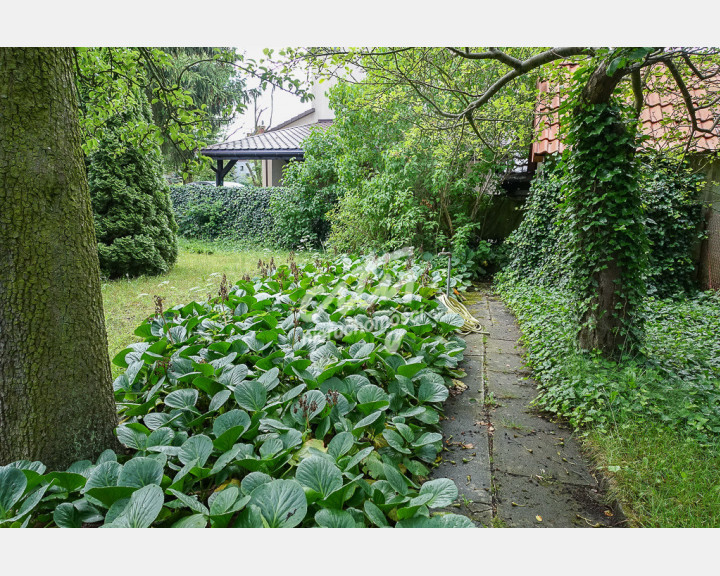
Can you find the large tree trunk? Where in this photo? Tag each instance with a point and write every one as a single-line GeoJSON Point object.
{"type": "Point", "coordinates": [604, 320]}
{"type": "Point", "coordinates": [56, 398]}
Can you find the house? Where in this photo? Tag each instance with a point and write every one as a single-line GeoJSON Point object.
{"type": "Point", "coordinates": [662, 113]}
{"type": "Point", "coordinates": [276, 146]}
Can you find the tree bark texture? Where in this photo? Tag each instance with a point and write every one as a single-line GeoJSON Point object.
{"type": "Point", "coordinates": [56, 398]}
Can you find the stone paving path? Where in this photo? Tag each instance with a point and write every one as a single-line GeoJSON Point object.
{"type": "Point", "coordinates": [512, 467]}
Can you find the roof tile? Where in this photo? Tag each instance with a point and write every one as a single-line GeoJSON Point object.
{"type": "Point", "coordinates": [662, 113]}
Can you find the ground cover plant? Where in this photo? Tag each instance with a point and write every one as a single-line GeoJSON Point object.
{"type": "Point", "coordinates": [197, 272]}
{"type": "Point", "coordinates": [308, 396]}
{"type": "Point", "coordinates": [675, 380]}
{"type": "Point", "coordinates": [651, 421]}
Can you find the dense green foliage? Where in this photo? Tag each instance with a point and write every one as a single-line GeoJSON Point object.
{"type": "Point", "coordinates": [674, 381]}
{"type": "Point", "coordinates": [671, 214]}
{"type": "Point", "coordinates": [215, 90]}
{"type": "Point", "coordinates": [379, 178]}
{"type": "Point", "coordinates": [208, 212]}
{"type": "Point", "coordinates": [607, 249]}
{"type": "Point", "coordinates": [193, 92]}
{"type": "Point", "coordinates": [134, 223]}
{"type": "Point", "coordinates": [310, 192]}
{"type": "Point", "coordinates": [307, 397]}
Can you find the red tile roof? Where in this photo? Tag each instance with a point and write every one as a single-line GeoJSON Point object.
{"type": "Point", "coordinates": [663, 112]}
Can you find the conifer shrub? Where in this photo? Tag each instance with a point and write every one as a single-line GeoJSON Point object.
{"type": "Point", "coordinates": [134, 222]}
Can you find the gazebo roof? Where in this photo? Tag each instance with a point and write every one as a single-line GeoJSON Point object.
{"type": "Point", "coordinates": [275, 143]}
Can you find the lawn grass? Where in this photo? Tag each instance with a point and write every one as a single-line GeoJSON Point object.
{"type": "Point", "coordinates": [662, 479]}
{"type": "Point", "coordinates": [197, 273]}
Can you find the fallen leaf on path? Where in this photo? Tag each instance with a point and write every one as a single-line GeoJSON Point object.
{"type": "Point", "coordinates": [538, 518]}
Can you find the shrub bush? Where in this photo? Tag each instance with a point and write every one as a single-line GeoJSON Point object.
{"type": "Point", "coordinates": [300, 212]}
{"type": "Point", "coordinates": [208, 212]}
{"type": "Point", "coordinates": [134, 223]}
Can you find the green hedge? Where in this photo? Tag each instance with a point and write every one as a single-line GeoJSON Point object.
{"type": "Point", "coordinates": [209, 212]}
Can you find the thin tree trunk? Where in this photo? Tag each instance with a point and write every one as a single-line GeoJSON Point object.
{"type": "Point", "coordinates": [56, 399]}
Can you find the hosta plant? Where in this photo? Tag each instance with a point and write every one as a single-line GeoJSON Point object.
{"type": "Point", "coordinates": [308, 396]}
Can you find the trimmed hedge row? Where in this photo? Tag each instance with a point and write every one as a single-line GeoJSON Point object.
{"type": "Point", "coordinates": [208, 212]}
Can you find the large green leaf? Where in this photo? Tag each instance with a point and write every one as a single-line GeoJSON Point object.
{"type": "Point", "coordinates": [139, 472]}
{"type": "Point", "coordinates": [394, 338]}
{"type": "Point", "coordinates": [160, 437]}
{"type": "Point", "coordinates": [228, 427]}
{"type": "Point", "coordinates": [327, 518]}
{"type": "Point", "coordinates": [409, 370]}
{"type": "Point", "coordinates": [229, 420]}
{"type": "Point", "coordinates": [109, 495]}
{"type": "Point", "coordinates": [395, 478]}
{"type": "Point", "coordinates": [142, 510]}
{"type": "Point", "coordinates": [131, 438]}
{"type": "Point", "coordinates": [359, 457]}
{"type": "Point", "coordinates": [443, 491]}
{"type": "Point", "coordinates": [67, 481]}
{"type": "Point", "coordinates": [440, 521]}
{"type": "Point", "coordinates": [319, 475]}
{"type": "Point", "coordinates": [66, 515]}
{"type": "Point", "coordinates": [450, 321]}
{"type": "Point", "coordinates": [251, 395]}
{"type": "Point", "coordinates": [192, 521]}
{"type": "Point", "coordinates": [432, 389]}
{"type": "Point", "coordinates": [184, 399]}
{"type": "Point", "coordinates": [427, 438]}
{"type": "Point", "coordinates": [365, 422]}
{"type": "Point", "coordinates": [371, 398]}
{"type": "Point", "coordinates": [412, 507]}
{"type": "Point", "coordinates": [340, 445]}
{"type": "Point", "coordinates": [196, 450]}
{"type": "Point", "coordinates": [270, 378]}
{"type": "Point", "coordinates": [106, 474]}
{"type": "Point", "coordinates": [375, 515]}
{"type": "Point", "coordinates": [282, 503]}
{"type": "Point", "coordinates": [250, 517]}
{"type": "Point", "coordinates": [395, 441]}
{"type": "Point", "coordinates": [238, 451]}
{"type": "Point", "coordinates": [219, 400]}
{"type": "Point", "coordinates": [191, 502]}
{"type": "Point", "coordinates": [227, 501]}
{"type": "Point", "coordinates": [253, 480]}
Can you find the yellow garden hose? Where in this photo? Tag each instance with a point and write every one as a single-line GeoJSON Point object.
{"type": "Point", "coordinates": [471, 325]}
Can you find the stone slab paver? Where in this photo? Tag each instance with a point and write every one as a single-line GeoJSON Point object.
{"type": "Point", "coordinates": [512, 466]}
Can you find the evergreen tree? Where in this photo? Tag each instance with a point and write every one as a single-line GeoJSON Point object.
{"type": "Point", "coordinates": [134, 223]}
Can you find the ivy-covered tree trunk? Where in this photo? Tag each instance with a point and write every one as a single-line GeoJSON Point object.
{"type": "Point", "coordinates": [609, 239]}
{"type": "Point", "coordinates": [56, 398]}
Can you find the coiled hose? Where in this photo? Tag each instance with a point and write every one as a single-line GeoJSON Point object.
{"type": "Point", "coordinates": [471, 325]}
